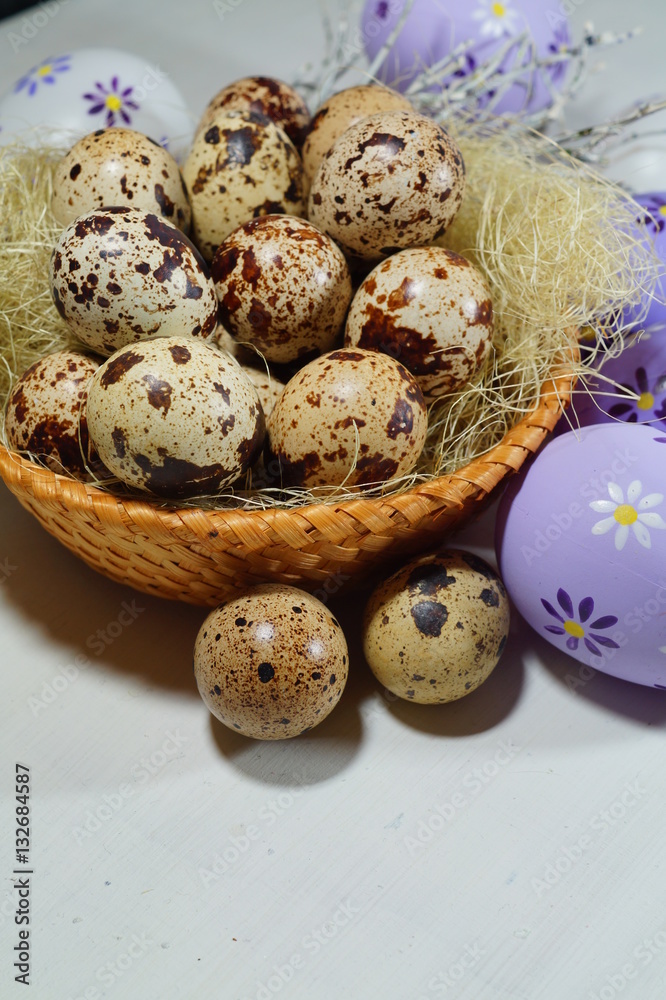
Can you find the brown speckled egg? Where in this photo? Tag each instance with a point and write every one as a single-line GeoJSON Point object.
{"type": "Point", "coordinates": [175, 417]}
{"type": "Point", "coordinates": [242, 166]}
{"type": "Point", "coordinates": [435, 630]}
{"type": "Point", "coordinates": [392, 181]}
{"type": "Point", "coordinates": [429, 308]}
{"type": "Point", "coordinates": [283, 286]}
{"type": "Point", "coordinates": [120, 275]}
{"type": "Point", "coordinates": [265, 96]}
{"type": "Point", "coordinates": [340, 112]}
{"type": "Point", "coordinates": [46, 411]}
{"type": "Point", "coordinates": [271, 663]}
{"type": "Point", "coordinates": [117, 166]}
{"type": "Point", "coordinates": [342, 398]}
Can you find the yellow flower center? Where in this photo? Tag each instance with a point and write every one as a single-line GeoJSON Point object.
{"type": "Point", "coordinates": [499, 10]}
{"type": "Point", "coordinates": [625, 514]}
{"type": "Point", "coordinates": [662, 209]}
{"type": "Point", "coordinates": [645, 401]}
{"type": "Point", "coordinates": [44, 70]}
{"type": "Point", "coordinates": [573, 628]}
{"type": "Point", "coordinates": [113, 103]}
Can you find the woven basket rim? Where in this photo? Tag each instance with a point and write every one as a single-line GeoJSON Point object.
{"type": "Point", "coordinates": [466, 485]}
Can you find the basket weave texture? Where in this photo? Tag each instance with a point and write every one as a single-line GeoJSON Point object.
{"type": "Point", "coordinates": [203, 556]}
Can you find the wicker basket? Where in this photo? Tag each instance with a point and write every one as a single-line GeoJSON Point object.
{"type": "Point", "coordinates": [202, 556]}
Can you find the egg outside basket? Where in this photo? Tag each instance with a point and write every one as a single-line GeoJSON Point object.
{"type": "Point", "coordinates": [202, 556]}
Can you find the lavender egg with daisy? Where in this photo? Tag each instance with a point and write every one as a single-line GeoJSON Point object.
{"type": "Point", "coordinates": [64, 97]}
{"type": "Point", "coordinates": [630, 386]}
{"type": "Point", "coordinates": [521, 33]}
{"type": "Point", "coordinates": [581, 546]}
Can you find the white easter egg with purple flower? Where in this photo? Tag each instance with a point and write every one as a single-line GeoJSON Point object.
{"type": "Point", "coordinates": [65, 97]}
{"type": "Point", "coordinates": [433, 29]}
{"type": "Point", "coordinates": [581, 546]}
{"type": "Point", "coordinates": [630, 386]}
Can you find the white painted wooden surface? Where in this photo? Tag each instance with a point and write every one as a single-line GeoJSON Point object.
{"type": "Point", "coordinates": [507, 847]}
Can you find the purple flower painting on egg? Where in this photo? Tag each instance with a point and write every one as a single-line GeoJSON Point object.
{"type": "Point", "coordinates": [113, 102]}
{"type": "Point", "coordinates": [575, 626]}
{"type": "Point", "coordinates": [655, 215]}
{"type": "Point", "coordinates": [581, 547]}
{"type": "Point", "coordinates": [46, 73]}
{"type": "Point", "coordinates": [651, 402]}
{"type": "Point", "coordinates": [496, 19]}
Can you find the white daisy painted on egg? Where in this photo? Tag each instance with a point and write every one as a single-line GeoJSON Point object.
{"type": "Point", "coordinates": [496, 19]}
{"type": "Point", "coordinates": [634, 514]}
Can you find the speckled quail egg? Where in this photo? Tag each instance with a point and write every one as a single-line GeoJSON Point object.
{"type": "Point", "coordinates": [435, 630]}
{"type": "Point", "coordinates": [120, 275]}
{"type": "Point", "coordinates": [340, 112]}
{"type": "Point", "coordinates": [46, 411]}
{"type": "Point", "coordinates": [175, 417]}
{"type": "Point", "coordinates": [271, 663]}
{"type": "Point", "coordinates": [283, 286]}
{"type": "Point", "coordinates": [117, 166]}
{"type": "Point", "coordinates": [431, 309]}
{"type": "Point", "coordinates": [392, 181]}
{"type": "Point", "coordinates": [266, 96]}
{"type": "Point", "coordinates": [351, 416]}
{"type": "Point", "coordinates": [242, 166]}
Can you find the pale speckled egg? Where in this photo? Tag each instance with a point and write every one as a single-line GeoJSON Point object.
{"type": "Point", "coordinates": [117, 166]}
{"type": "Point", "coordinates": [175, 417]}
{"type": "Point", "coordinates": [265, 96]}
{"type": "Point", "coordinates": [348, 406]}
{"type": "Point", "coordinates": [283, 286]}
{"type": "Point", "coordinates": [120, 275]}
{"type": "Point", "coordinates": [435, 630]}
{"type": "Point", "coordinates": [46, 411]}
{"type": "Point", "coordinates": [271, 663]}
{"type": "Point", "coordinates": [241, 167]}
{"type": "Point", "coordinates": [340, 112]}
{"type": "Point", "coordinates": [431, 309]}
{"type": "Point", "coordinates": [392, 181]}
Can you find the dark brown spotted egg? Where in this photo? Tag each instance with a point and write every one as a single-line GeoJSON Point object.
{"type": "Point", "coordinates": [350, 417]}
{"type": "Point", "coordinates": [429, 308]}
{"type": "Point", "coordinates": [241, 167]}
{"type": "Point", "coordinates": [340, 112]}
{"type": "Point", "coordinates": [435, 630]}
{"type": "Point", "coordinates": [271, 663]}
{"type": "Point", "coordinates": [175, 417]}
{"type": "Point", "coordinates": [46, 412]}
{"type": "Point", "coordinates": [117, 166]}
{"type": "Point", "coordinates": [283, 286]}
{"type": "Point", "coordinates": [392, 181]}
{"type": "Point", "coordinates": [266, 96]}
{"type": "Point", "coordinates": [121, 275]}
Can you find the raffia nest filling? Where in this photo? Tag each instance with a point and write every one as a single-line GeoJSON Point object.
{"type": "Point", "coordinates": [560, 250]}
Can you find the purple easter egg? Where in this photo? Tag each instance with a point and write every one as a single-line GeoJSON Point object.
{"type": "Point", "coordinates": [639, 369]}
{"type": "Point", "coordinates": [581, 546]}
{"type": "Point", "coordinates": [651, 228]}
{"type": "Point", "coordinates": [434, 28]}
